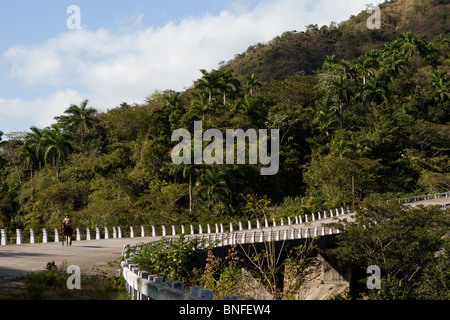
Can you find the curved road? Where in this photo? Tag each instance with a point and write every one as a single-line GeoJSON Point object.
{"type": "Point", "coordinates": [26, 258]}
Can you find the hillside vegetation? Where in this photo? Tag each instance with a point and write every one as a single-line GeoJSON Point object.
{"type": "Point", "coordinates": [371, 122]}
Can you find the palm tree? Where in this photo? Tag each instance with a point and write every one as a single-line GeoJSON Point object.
{"type": "Point", "coordinates": [29, 156]}
{"type": "Point", "coordinates": [228, 83]}
{"type": "Point", "coordinates": [340, 90]}
{"type": "Point", "coordinates": [392, 64]}
{"type": "Point", "coordinates": [172, 99]}
{"type": "Point", "coordinates": [213, 183]}
{"type": "Point", "coordinates": [191, 171]}
{"type": "Point", "coordinates": [80, 116]}
{"type": "Point", "coordinates": [413, 45]}
{"type": "Point", "coordinates": [57, 145]}
{"type": "Point", "coordinates": [441, 85]}
{"type": "Point", "coordinates": [209, 82]}
{"type": "Point", "coordinates": [201, 104]}
{"type": "Point", "coordinates": [34, 140]}
{"type": "Point", "coordinates": [252, 83]}
{"type": "Point", "coordinates": [365, 65]}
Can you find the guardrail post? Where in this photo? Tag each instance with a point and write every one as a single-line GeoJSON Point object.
{"type": "Point", "coordinates": [106, 233]}
{"type": "Point", "coordinates": [4, 240]}
{"type": "Point", "coordinates": [153, 231]}
{"type": "Point", "coordinates": [208, 226]}
{"type": "Point", "coordinates": [142, 231]}
{"type": "Point", "coordinates": [31, 236]}
{"type": "Point", "coordinates": [174, 233]}
{"type": "Point", "coordinates": [88, 234]}
{"type": "Point", "coordinates": [114, 232]}
{"type": "Point", "coordinates": [56, 235]}
{"type": "Point", "coordinates": [131, 232]}
{"type": "Point", "coordinates": [78, 234]}
{"type": "Point", "coordinates": [19, 236]}
{"type": "Point", "coordinates": [44, 236]}
{"type": "Point", "coordinates": [97, 233]}
{"type": "Point", "coordinates": [163, 230]}
{"type": "Point", "coordinates": [119, 231]}
{"type": "Point", "coordinates": [192, 229]}
{"type": "Point", "coordinates": [258, 224]}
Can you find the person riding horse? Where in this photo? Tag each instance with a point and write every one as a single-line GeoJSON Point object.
{"type": "Point", "coordinates": [67, 224]}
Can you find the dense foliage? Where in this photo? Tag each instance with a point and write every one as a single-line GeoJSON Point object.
{"type": "Point", "coordinates": [366, 122]}
{"type": "Point", "coordinates": [376, 125]}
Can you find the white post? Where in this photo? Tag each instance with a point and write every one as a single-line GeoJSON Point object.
{"type": "Point", "coordinates": [221, 228]}
{"type": "Point", "coordinates": [182, 229]}
{"type": "Point", "coordinates": [266, 224]}
{"type": "Point", "coordinates": [337, 212]}
{"type": "Point", "coordinates": [44, 236]}
{"type": "Point", "coordinates": [244, 237]}
{"type": "Point", "coordinates": [192, 229]}
{"type": "Point", "coordinates": [231, 227]}
{"type": "Point", "coordinates": [97, 233]}
{"type": "Point", "coordinates": [200, 229]}
{"type": "Point", "coordinates": [56, 235]}
{"type": "Point", "coordinates": [296, 219]}
{"type": "Point", "coordinates": [315, 232]}
{"type": "Point", "coordinates": [313, 217]}
{"type": "Point", "coordinates": [208, 226]}
{"type": "Point", "coordinates": [331, 213]}
{"type": "Point", "coordinates": [292, 234]}
{"type": "Point", "coordinates": [319, 216]}
{"type": "Point", "coordinates": [19, 236]}
{"type": "Point", "coordinates": [323, 231]}
{"type": "Point", "coordinates": [78, 234]}
{"type": "Point", "coordinates": [114, 233]}
{"type": "Point", "coordinates": [153, 231]}
{"type": "Point", "coordinates": [4, 241]}
{"type": "Point", "coordinates": [142, 231]}
{"type": "Point", "coordinates": [119, 231]}
{"type": "Point", "coordinates": [324, 214]}
{"type": "Point", "coordinates": [252, 237]}
{"type": "Point", "coordinates": [306, 218]}
{"type": "Point", "coordinates": [31, 236]}
{"type": "Point", "coordinates": [174, 233]}
{"type": "Point", "coordinates": [342, 211]}
{"type": "Point", "coordinates": [274, 223]}
{"type": "Point", "coordinates": [106, 233]}
{"type": "Point", "coordinates": [163, 230]}
{"type": "Point", "coordinates": [131, 232]}
{"type": "Point", "coordinates": [249, 224]}
{"type": "Point", "coordinates": [217, 228]}
{"type": "Point", "coordinates": [301, 220]}
{"type": "Point", "coordinates": [289, 221]}
{"type": "Point", "coordinates": [258, 224]}
{"type": "Point", "coordinates": [240, 226]}
{"type": "Point", "coordinates": [88, 234]}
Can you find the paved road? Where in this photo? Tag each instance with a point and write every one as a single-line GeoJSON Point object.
{"type": "Point", "coordinates": [20, 259]}
{"type": "Point", "coordinates": [26, 258]}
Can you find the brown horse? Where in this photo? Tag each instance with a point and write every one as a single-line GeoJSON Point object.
{"type": "Point", "coordinates": [67, 232]}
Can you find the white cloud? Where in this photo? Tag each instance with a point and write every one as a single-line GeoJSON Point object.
{"type": "Point", "coordinates": [112, 67]}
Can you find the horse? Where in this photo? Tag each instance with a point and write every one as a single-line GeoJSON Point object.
{"type": "Point", "coordinates": [67, 232]}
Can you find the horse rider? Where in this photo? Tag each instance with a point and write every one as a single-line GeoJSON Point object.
{"type": "Point", "coordinates": [67, 222]}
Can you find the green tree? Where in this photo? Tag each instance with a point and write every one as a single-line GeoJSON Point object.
{"type": "Point", "coordinates": [57, 146]}
{"type": "Point", "coordinates": [80, 117]}
{"type": "Point", "coordinates": [401, 240]}
{"type": "Point", "coordinates": [252, 83]}
{"type": "Point", "coordinates": [34, 140]}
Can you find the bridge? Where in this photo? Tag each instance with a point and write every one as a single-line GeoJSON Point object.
{"type": "Point", "coordinates": [18, 257]}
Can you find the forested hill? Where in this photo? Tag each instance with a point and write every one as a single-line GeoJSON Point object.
{"type": "Point", "coordinates": [371, 123]}
{"type": "Point", "coordinates": [295, 53]}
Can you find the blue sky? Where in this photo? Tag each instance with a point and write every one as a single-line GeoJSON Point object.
{"type": "Point", "coordinates": [125, 50]}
